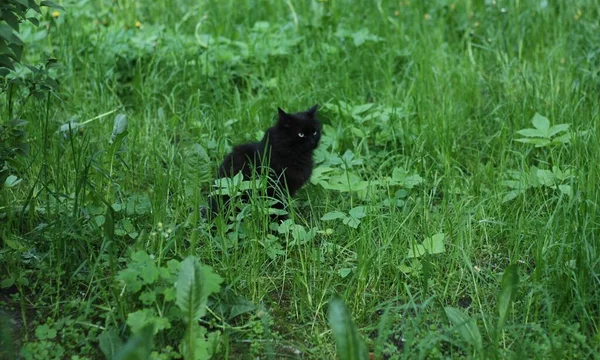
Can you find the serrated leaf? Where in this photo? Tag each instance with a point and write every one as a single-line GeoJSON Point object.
{"type": "Point", "coordinates": [467, 327]}
{"type": "Point", "coordinates": [509, 288]}
{"type": "Point", "coordinates": [349, 344]}
{"type": "Point", "coordinates": [332, 215]}
{"type": "Point", "coordinates": [199, 345]}
{"type": "Point", "coordinates": [194, 284]}
{"type": "Point", "coordinates": [110, 343]}
{"type": "Point", "coordinates": [541, 123]}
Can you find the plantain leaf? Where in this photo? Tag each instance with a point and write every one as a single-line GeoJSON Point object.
{"type": "Point", "coordinates": [510, 284]}
{"type": "Point", "coordinates": [467, 327]}
{"type": "Point", "coordinates": [349, 344]}
{"type": "Point", "coordinates": [194, 284]}
{"type": "Point", "coordinates": [110, 343]}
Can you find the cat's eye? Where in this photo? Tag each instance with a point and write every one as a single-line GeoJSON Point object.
{"type": "Point", "coordinates": [301, 134]}
{"type": "Point", "coordinates": [315, 133]}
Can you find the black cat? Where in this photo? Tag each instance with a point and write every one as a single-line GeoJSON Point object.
{"type": "Point", "coordinates": [285, 151]}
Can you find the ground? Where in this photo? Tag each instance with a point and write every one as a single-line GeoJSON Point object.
{"type": "Point", "coordinates": [454, 205]}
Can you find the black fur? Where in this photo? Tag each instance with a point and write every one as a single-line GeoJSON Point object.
{"type": "Point", "coordinates": [287, 150]}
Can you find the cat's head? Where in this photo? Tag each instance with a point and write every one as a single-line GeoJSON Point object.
{"type": "Point", "coordinates": [302, 130]}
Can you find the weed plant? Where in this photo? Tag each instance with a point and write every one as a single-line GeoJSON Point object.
{"type": "Point", "coordinates": [454, 207]}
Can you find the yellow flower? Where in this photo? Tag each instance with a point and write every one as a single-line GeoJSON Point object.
{"type": "Point", "coordinates": [138, 24]}
{"type": "Point", "coordinates": [396, 13]}
{"type": "Point", "coordinates": [578, 15]}
{"type": "Point", "coordinates": [55, 14]}
{"type": "Point", "coordinates": [427, 16]}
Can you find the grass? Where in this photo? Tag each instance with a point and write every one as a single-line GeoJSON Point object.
{"type": "Point", "coordinates": [422, 103]}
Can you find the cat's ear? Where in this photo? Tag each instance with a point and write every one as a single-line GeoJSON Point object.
{"type": "Point", "coordinates": [313, 110]}
{"type": "Point", "coordinates": [284, 118]}
{"type": "Point", "coordinates": [282, 114]}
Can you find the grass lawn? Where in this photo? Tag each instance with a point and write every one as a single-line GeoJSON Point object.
{"type": "Point", "coordinates": [454, 204]}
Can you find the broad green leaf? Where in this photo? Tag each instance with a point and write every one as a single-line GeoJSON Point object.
{"type": "Point", "coordinates": [531, 133]}
{"type": "Point", "coordinates": [412, 180]}
{"type": "Point", "coordinates": [197, 345]}
{"type": "Point", "coordinates": [52, 4]}
{"type": "Point", "coordinates": [434, 244]}
{"type": "Point", "coordinates": [358, 212]}
{"type": "Point", "coordinates": [138, 204]}
{"type": "Point", "coordinates": [349, 344]}
{"type": "Point", "coordinates": [119, 128]}
{"type": "Point", "coordinates": [139, 346]}
{"type": "Point", "coordinates": [557, 128]}
{"type": "Point", "coordinates": [137, 320]}
{"type": "Point", "coordinates": [12, 181]}
{"type": "Point", "coordinates": [538, 142]}
{"type": "Point", "coordinates": [194, 284]}
{"type": "Point", "coordinates": [191, 297]}
{"type": "Point", "coordinates": [352, 222]}
{"type": "Point", "coordinates": [566, 189]}
{"type": "Point", "coordinates": [343, 272]}
{"type": "Point", "coordinates": [467, 327]}
{"type": "Point", "coordinates": [546, 177]}
{"type": "Point", "coordinates": [415, 251]}
{"type": "Point", "coordinates": [510, 196]}
{"type": "Point", "coordinates": [541, 123]}
{"type": "Point", "coordinates": [563, 139]}
{"type": "Point", "coordinates": [431, 245]}
{"type": "Point", "coordinates": [359, 109]}
{"type": "Point", "coordinates": [110, 342]}
{"type": "Point", "coordinates": [509, 288]}
{"type": "Point", "coordinates": [11, 19]}
{"type": "Point", "coordinates": [332, 215]}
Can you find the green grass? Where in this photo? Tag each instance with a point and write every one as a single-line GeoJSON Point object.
{"type": "Point", "coordinates": [449, 83]}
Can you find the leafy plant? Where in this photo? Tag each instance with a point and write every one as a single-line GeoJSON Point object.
{"type": "Point", "coordinates": [521, 181]}
{"type": "Point", "coordinates": [466, 326]}
{"type": "Point", "coordinates": [194, 284]}
{"type": "Point", "coordinates": [349, 343]}
{"type": "Point", "coordinates": [431, 245]}
{"type": "Point", "coordinates": [352, 218]}
{"type": "Point", "coordinates": [187, 285]}
{"type": "Point", "coordinates": [12, 144]}
{"type": "Point", "coordinates": [544, 135]}
{"type": "Point", "coordinates": [13, 13]}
